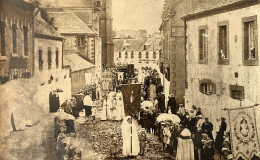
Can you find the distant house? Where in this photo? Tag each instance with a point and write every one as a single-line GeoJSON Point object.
{"type": "Point", "coordinates": [141, 52]}
{"type": "Point", "coordinates": [80, 38]}
{"type": "Point", "coordinates": [16, 35]}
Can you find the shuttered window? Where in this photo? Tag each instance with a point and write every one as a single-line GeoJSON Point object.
{"type": "Point", "coordinates": [2, 29]}
{"type": "Point", "coordinates": [40, 60]}
{"type": "Point", "coordinates": [14, 34]}
{"type": "Point", "coordinates": [57, 57]}
{"type": "Point", "coordinates": [49, 58]}
{"type": "Point", "coordinates": [25, 33]}
{"type": "Point", "coordinates": [223, 44]}
{"type": "Point", "coordinates": [250, 47]}
{"type": "Point", "coordinates": [203, 44]}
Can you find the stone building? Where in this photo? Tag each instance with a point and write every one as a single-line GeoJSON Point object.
{"type": "Point", "coordinates": [96, 14]}
{"type": "Point", "coordinates": [222, 56]}
{"type": "Point", "coordinates": [48, 49]}
{"type": "Point", "coordinates": [141, 52]}
{"type": "Point", "coordinates": [17, 56]}
{"type": "Point", "coordinates": [172, 58]}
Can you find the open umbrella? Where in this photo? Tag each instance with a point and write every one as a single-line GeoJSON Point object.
{"type": "Point", "coordinates": [168, 117]}
{"type": "Point", "coordinates": [64, 116]}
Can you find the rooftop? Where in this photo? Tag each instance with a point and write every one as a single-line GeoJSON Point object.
{"type": "Point", "coordinates": [76, 62]}
{"type": "Point", "coordinates": [133, 44]}
{"type": "Point", "coordinates": [207, 6]}
{"type": "Point", "coordinates": [41, 27]}
{"type": "Point", "coordinates": [69, 23]}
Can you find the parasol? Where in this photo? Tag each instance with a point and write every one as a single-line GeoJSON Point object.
{"type": "Point", "coordinates": [63, 115]}
{"type": "Point", "coordinates": [168, 117]}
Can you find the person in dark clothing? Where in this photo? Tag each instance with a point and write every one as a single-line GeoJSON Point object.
{"type": "Point", "coordinates": [207, 127]}
{"type": "Point", "coordinates": [208, 151]}
{"type": "Point", "coordinates": [220, 135]}
{"type": "Point", "coordinates": [172, 104]}
{"type": "Point", "coordinates": [198, 111]}
{"type": "Point", "coordinates": [159, 89]}
{"type": "Point", "coordinates": [161, 104]}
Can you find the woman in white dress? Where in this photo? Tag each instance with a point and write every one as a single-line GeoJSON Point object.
{"type": "Point", "coordinates": [120, 110]}
{"type": "Point", "coordinates": [130, 138]}
{"type": "Point", "coordinates": [104, 111]}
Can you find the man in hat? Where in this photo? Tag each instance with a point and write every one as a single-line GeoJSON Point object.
{"type": "Point", "coordinates": [220, 135]}
{"type": "Point", "coordinates": [172, 104]}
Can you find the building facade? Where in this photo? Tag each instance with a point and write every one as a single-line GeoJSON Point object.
{"type": "Point", "coordinates": [96, 14]}
{"type": "Point", "coordinates": [140, 52]}
{"type": "Point", "coordinates": [172, 58]}
{"type": "Point", "coordinates": [16, 59]}
{"type": "Point", "coordinates": [48, 49]}
{"type": "Point", "coordinates": [223, 57]}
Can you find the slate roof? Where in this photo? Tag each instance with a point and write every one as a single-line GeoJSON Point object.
{"type": "Point", "coordinates": [209, 5]}
{"type": "Point", "coordinates": [133, 44]}
{"type": "Point", "coordinates": [44, 28]}
{"type": "Point", "coordinates": [69, 23]}
{"type": "Point", "coordinates": [76, 62]}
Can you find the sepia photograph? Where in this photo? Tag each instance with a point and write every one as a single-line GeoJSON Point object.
{"type": "Point", "coordinates": [129, 80]}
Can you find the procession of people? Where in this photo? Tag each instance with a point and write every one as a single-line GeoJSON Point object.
{"type": "Point", "coordinates": [184, 134]}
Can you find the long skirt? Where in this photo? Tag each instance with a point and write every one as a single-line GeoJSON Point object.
{"type": "Point", "coordinates": [88, 110]}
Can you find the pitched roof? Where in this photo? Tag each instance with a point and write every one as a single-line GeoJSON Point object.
{"type": "Point", "coordinates": [76, 62]}
{"type": "Point", "coordinates": [69, 23]}
{"type": "Point", "coordinates": [133, 44]}
{"type": "Point", "coordinates": [205, 6]}
{"type": "Point", "coordinates": [41, 27]}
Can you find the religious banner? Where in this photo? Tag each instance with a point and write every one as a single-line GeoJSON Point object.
{"type": "Point", "coordinates": [132, 98]}
{"type": "Point", "coordinates": [243, 132]}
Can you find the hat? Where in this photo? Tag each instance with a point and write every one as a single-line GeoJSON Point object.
{"type": "Point", "coordinates": [225, 149]}
{"type": "Point", "coordinates": [171, 95]}
{"type": "Point", "coordinates": [185, 133]}
{"type": "Point", "coordinates": [230, 156]}
{"type": "Point", "coordinates": [199, 116]}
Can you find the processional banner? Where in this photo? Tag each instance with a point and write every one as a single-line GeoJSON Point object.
{"type": "Point", "coordinates": [243, 131]}
{"type": "Point", "coordinates": [132, 98]}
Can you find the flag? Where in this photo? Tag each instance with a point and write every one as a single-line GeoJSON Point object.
{"type": "Point", "coordinates": [132, 98]}
{"type": "Point", "coordinates": [243, 132]}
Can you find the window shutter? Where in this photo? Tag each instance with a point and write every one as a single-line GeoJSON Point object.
{"type": "Point", "coordinates": [200, 45]}
{"type": "Point", "coordinates": [246, 42]}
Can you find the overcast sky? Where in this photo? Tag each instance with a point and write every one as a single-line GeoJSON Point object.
{"type": "Point", "coordinates": [137, 14]}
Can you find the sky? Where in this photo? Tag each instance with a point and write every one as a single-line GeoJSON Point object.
{"type": "Point", "coordinates": [137, 14]}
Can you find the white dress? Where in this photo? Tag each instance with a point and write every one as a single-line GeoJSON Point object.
{"type": "Point", "coordinates": [130, 141]}
{"type": "Point", "coordinates": [120, 110]}
{"type": "Point", "coordinates": [104, 111]}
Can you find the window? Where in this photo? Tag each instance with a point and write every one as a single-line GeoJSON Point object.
{"type": "Point", "coordinates": [126, 55]}
{"type": "Point", "coordinates": [132, 54]}
{"type": "Point", "coordinates": [2, 29]}
{"type": "Point", "coordinates": [154, 55]}
{"type": "Point", "coordinates": [140, 55]}
{"type": "Point", "coordinates": [147, 55]}
{"type": "Point", "coordinates": [206, 86]}
{"type": "Point", "coordinates": [98, 3]}
{"type": "Point", "coordinates": [250, 48]}
{"type": "Point", "coordinates": [145, 47]}
{"type": "Point", "coordinates": [49, 58]}
{"type": "Point", "coordinates": [223, 44]}
{"type": "Point", "coordinates": [203, 44]}
{"type": "Point", "coordinates": [120, 55]}
{"type": "Point", "coordinates": [237, 92]}
{"type": "Point", "coordinates": [40, 60]}
{"type": "Point", "coordinates": [57, 57]}
{"type": "Point", "coordinates": [14, 28]}
{"type": "Point", "coordinates": [25, 35]}
{"type": "Point", "coordinates": [81, 41]}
